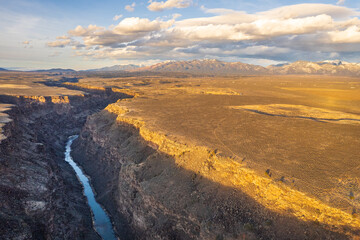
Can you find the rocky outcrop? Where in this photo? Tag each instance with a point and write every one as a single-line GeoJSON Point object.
{"type": "Point", "coordinates": [40, 195]}
{"type": "Point", "coordinates": [156, 190]}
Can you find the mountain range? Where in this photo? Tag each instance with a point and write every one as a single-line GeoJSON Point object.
{"type": "Point", "coordinates": [206, 66]}
{"type": "Point", "coordinates": [116, 68]}
{"type": "Point", "coordinates": [55, 70]}
{"type": "Point", "coordinates": [336, 68]}
{"type": "Point", "coordinates": [216, 67]}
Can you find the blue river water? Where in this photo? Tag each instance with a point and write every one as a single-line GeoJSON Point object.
{"type": "Point", "coordinates": [101, 220]}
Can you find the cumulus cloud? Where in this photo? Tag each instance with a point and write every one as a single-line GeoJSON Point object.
{"type": "Point", "coordinates": [160, 6]}
{"type": "Point", "coordinates": [65, 41]}
{"type": "Point", "coordinates": [117, 17]}
{"type": "Point", "coordinates": [349, 35]}
{"type": "Point", "coordinates": [258, 29]}
{"type": "Point", "coordinates": [59, 43]}
{"type": "Point", "coordinates": [136, 25]}
{"type": "Point", "coordinates": [80, 31]}
{"type": "Point", "coordinates": [294, 31]}
{"type": "Point", "coordinates": [116, 36]}
{"type": "Point", "coordinates": [130, 8]}
{"type": "Point", "coordinates": [340, 2]}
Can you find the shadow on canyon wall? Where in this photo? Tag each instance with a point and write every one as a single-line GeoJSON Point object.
{"type": "Point", "coordinates": [149, 196]}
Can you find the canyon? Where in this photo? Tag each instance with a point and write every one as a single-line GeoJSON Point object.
{"type": "Point", "coordinates": [41, 197]}
{"type": "Point", "coordinates": [180, 158]}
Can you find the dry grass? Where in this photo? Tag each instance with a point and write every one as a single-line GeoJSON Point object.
{"type": "Point", "coordinates": [209, 91]}
{"type": "Point", "coordinates": [30, 84]}
{"type": "Point", "coordinates": [300, 111]}
{"type": "Point", "coordinates": [310, 156]}
{"type": "Point", "coordinates": [15, 86]}
{"type": "Point", "coordinates": [273, 195]}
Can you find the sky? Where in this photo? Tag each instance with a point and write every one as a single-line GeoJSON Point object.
{"type": "Point", "coordinates": [86, 34]}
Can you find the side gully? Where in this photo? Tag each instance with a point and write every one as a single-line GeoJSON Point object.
{"type": "Point", "coordinates": [40, 196]}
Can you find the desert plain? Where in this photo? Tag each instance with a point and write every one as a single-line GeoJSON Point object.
{"type": "Point", "coordinates": [290, 143]}
{"type": "Point", "coordinates": [299, 131]}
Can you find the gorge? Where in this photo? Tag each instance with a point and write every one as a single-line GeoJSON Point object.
{"type": "Point", "coordinates": [162, 183]}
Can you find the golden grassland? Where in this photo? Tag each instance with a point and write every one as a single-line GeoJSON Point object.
{"type": "Point", "coordinates": [31, 84]}
{"type": "Point", "coordinates": [307, 135]}
{"type": "Point", "coordinates": [210, 91]}
{"type": "Point", "coordinates": [300, 111]}
{"type": "Point", "coordinates": [317, 157]}
{"type": "Point", "coordinates": [15, 86]}
{"type": "Point", "coordinates": [273, 195]}
{"type": "Point", "coordinates": [312, 151]}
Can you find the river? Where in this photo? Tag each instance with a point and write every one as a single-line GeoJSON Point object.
{"type": "Point", "coordinates": [101, 220]}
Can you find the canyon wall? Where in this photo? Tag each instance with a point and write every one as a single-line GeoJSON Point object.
{"type": "Point", "coordinates": [40, 195]}
{"type": "Point", "coordinates": [151, 195]}
{"type": "Point", "coordinates": [151, 186]}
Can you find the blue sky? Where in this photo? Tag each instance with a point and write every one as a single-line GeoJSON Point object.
{"type": "Point", "coordinates": [82, 34]}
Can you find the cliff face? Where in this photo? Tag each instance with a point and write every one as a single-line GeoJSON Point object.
{"type": "Point", "coordinates": [156, 190]}
{"type": "Point", "coordinates": [40, 196]}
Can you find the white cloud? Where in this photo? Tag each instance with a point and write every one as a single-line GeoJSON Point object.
{"type": "Point", "coordinates": [139, 25]}
{"type": "Point", "coordinates": [258, 29]}
{"type": "Point", "coordinates": [81, 31]}
{"type": "Point", "coordinates": [276, 34]}
{"type": "Point", "coordinates": [160, 6]}
{"type": "Point", "coordinates": [63, 37]}
{"type": "Point", "coordinates": [340, 2]}
{"type": "Point", "coordinates": [117, 17]}
{"type": "Point", "coordinates": [65, 41]}
{"type": "Point", "coordinates": [349, 35]}
{"type": "Point", "coordinates": [130, 8]}
{"type": "Point", "coordinates": [127, 30]}
{"type": "Point", "coordinates": [308, 9]}
{"type": "Point", "coordinates": [176, 15]}
{"type": "Point", "coordinates": [59, 43]}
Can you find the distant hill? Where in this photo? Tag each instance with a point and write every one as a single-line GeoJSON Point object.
{"type": "Point", "coordinates": [3, 70]}
{"type": "Point", "coordinates": [327, 67]}
{"type": "Point", "coordinates": [56, 70]}
{"type": "Point", "coordinates": [206, 66]}
{"type": "Point", "coordinates": [116, 68]}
